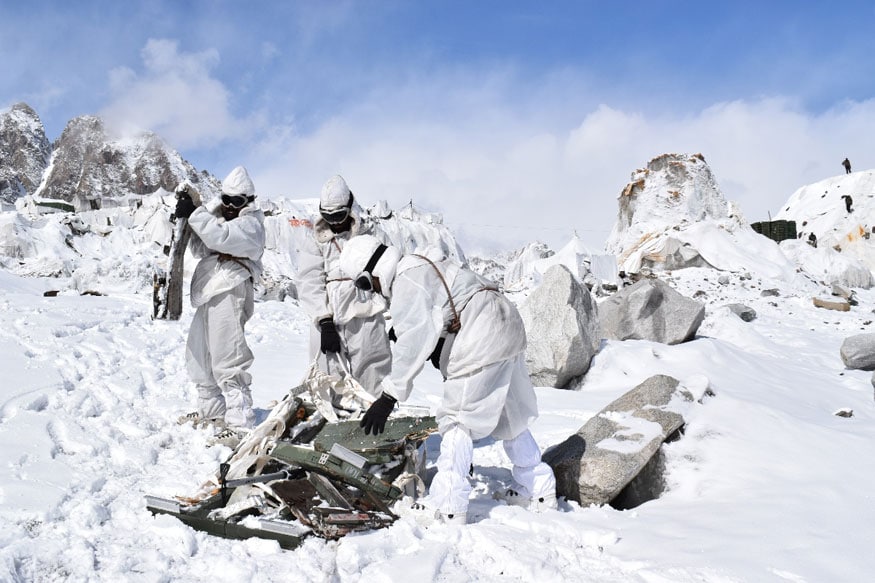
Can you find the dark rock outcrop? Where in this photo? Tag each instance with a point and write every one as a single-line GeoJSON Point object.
{"type": "Point", "coordinates": [90, 170]}
{"type": "Point", "coordinates": [24, 152]}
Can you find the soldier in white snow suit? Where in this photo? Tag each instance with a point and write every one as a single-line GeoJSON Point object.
{"type": "Point", "coordinates": [448, 314]}
{"type": "Point", "coordinates": [228, 237]}
{"type": "Point", "coordinates": [343, 328]}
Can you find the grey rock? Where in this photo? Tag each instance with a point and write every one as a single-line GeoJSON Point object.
{"type": "Point", "coordinates": [858, 352]}
{"type": "Point", "coordinates": [844, 293]}
{"type": "Point", "coordinates": [276, 288]}
{"type": "Point", "coordinates": [562, 328]}
{"type": "Point", "coordinates": [650, 310]}
{"type": "Point", "coordinates": [594, 465]}
{"type": "Point", "coordinates": [746, 313]}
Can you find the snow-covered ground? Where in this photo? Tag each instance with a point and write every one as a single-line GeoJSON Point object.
{"type": "Point", "coordinates": [767, 484]}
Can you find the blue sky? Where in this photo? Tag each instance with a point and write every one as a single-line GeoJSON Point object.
{"type": "Point", "coordinates": [516, 120]}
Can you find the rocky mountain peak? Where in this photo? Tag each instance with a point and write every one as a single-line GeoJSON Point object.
{"type": "Point", "coordinates": [24, 152]}
{"type": "Point", "coordinates": [673, 190]}
{"type": "Point", "coordinates": [91, 169]}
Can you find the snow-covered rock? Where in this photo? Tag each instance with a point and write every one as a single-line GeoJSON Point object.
{"type": "Point", "coordinates": [121, 245]}
{"type": "Point", "coordinates": [595, 464]}
{"type": "Point", "coordinates": [671, 193]}
{"type": "Point", "coordinates": [520, 272]}
{"type": "Point", "coordinates": [527, 270]}
{"type": "Point", "coordinates": [827, 265]}
{"type": "Point", "coordinates": [672, 215]}
{"type": "Point", "coordinates": [821, 209]}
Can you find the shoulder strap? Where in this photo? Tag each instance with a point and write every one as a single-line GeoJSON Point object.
{"type": "Point", "coordinates": [456, 323]}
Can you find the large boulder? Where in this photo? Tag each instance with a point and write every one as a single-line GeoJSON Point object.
{"type": "Point", "coordinates": [562, 329]}
{"type": "Point", "coordinates": [650, 310]}
{"type": "Point", "coordinates": [608, 452]}
{"type": "Point", "coordinates": [858, 352]}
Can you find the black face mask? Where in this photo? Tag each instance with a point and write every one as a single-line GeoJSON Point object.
{"type": "Point", "coordinates": [229, 213]}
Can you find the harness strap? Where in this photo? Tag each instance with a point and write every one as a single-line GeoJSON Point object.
{"type": "Point", "coordinates": [455, 323]}
{"type": "Point", "coordinates": [238, 260]}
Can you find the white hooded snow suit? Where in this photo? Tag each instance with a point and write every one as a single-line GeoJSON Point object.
{"type": "Point", "coordinates": [325, 293]}
{"type": "Point", "coordinates": [487, 390]}
{"type": "Point", "coordinates": [217, 356]}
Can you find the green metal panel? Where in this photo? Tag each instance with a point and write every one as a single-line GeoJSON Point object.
{"type": "Point", "coordinates": [376, 448]}
{"type": "Point", "coordinates": [778, 230]}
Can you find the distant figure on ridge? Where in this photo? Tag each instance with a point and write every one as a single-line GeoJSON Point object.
{"type": "Point", "coordinates": [849, 202]}
{"type": "Point", "coordinates": [847, 164]}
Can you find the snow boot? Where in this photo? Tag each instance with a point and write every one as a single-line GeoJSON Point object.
{"type": "Point", "coordinates": [425, 516]}
{"type": "Point", "coordinates": [228, 436]}
{"type": "Point", "coordinates": [199, 421]}
{"type": "Point", "coordinates": [514, 497]}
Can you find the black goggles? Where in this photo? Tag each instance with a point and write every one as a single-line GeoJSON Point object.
{"type": "Point", "coordinates": [365, 280]}
{"type": "Point", "coordinates": [335, 217]}
{"type": "Point", "coordinates": [237, 201]}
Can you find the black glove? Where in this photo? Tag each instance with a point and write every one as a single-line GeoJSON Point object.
{"type": "Point", "coordinates": [435, 356]}
{"type": "Point", "coordinates": [330, 338]}
{"type": "Point", "coordinates": [392, 336]}
{"type": "Point", "coordinates": [375, 417]}
{"type": "Point", "coordinates": [184, 205]}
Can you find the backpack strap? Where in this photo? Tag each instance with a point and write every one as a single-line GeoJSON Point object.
{"type": "Point", "coordinates": [456, 322]}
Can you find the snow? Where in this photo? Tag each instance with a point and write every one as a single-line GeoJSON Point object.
{"type": "Point", "coordinates": [767, 483]}
{"type": "Point", "coordinates": [820, 208]}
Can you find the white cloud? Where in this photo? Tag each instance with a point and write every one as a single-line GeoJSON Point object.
{"type": "Point", "coordinates": [506, 159]}
{"type": "Point", "coordinates": [175, 96]}
{"type": "Point", "coordinates": [497, 175]}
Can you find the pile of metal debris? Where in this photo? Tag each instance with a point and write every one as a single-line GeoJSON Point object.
{"type": "Point", "coordinates": [310, 470]}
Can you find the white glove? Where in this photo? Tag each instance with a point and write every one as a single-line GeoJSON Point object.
{"type": "Point", "coordinates": [187, 187]}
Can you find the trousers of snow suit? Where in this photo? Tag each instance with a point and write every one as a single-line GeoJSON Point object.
{"type": "Point", "coordinates": [457, 417]}
{"type": "Point", "coordinates": [218, 357]}
{"type": "Point", "coordinates": [366, 348]}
